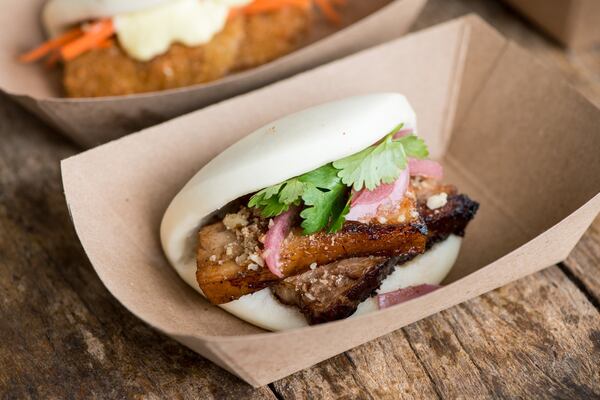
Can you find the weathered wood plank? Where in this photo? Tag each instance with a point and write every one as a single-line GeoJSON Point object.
{"type": "Point", "coordinates": [536, 338]}
{"type": "Point", "coordinates": [63, 335]}
{"type": "Point", "coordinates": [584, 261]}
{"type": "Point", "coordinates": [372, 371]}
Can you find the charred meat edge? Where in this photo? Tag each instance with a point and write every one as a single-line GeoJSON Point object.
{"type": "Point", "coordinates": [452, 218]}
{"type": "Point", "coordinates": [338, 303]}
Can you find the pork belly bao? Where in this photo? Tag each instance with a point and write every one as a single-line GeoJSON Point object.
{"type": "Point", "coordinates": [117, 47]}
{"type": "Point", "coordinates": [328, 213]}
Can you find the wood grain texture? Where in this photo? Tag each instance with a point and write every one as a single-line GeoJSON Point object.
{"type": "Point", "coordinates": [64, 336]}
{"type": "Point", "coordinates": [536, 338]}
{"type": "Point", "coordinates": [584, 263]}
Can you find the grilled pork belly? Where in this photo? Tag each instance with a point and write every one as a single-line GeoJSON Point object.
{"type": "Point", "coordinates": [228, 254]}
{"type": "Point", "coordinates": [222, 279]}
{"type": "Point", "coordinates": [443, 209]}
{"type": "Point", "coordinates": [334, 291]}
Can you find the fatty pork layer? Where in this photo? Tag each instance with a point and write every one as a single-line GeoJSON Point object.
{"type": "Point", "coordinates": [228, 254]}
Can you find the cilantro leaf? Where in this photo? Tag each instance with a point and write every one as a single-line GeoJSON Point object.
{"type": "Point", "coordinates": [414, 146]}
{"type": "Point", "coordinates": [291, 192]}
{"type": "Point", "coordinates": [324, 191]}
{"type": "Point", "coordinates": [272, 207]}
{"type": "Point", "coordinates": [337, 221]}
{"type": "Point", "coordinates": [261, 198]}
{"type": "Point", "coordinates": [321, 206]}
{"type": "Point", "coordinates": [325, 177]}
{"type": "Point", "coordinates": [380, 163]}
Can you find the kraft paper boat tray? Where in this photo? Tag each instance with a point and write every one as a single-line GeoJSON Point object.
{"type": "Point", "coordinates": [574, 23]}
{"type": "Point", "coordinates": [92, 121]}
{"type": "Point", "coordinates": [510, 132]}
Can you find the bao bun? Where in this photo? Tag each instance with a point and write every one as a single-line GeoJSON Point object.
{"type": "Point", "coordinates": [288, 147]}
{"type": "Point", "coordinates": [57, 15]}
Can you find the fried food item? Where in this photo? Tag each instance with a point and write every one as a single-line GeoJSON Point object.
{"type": "Point", "coordinates": [271, 35]}
{"type": "Point", "coordinates": [245, 42]}
{"type": "Point", "coordinates": [111, 72]}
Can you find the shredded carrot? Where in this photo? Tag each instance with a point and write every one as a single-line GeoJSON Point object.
{"type": "Point", "coordinates": [97, 33]}
{"type": "Point", "coordinates": [48, 47]}
{"type": "Point", "coordinates": [262, 6]}
{"type": "Point", "coordinates": [105, 44]}
{"type": "Point", "coordinates": [73, 43]}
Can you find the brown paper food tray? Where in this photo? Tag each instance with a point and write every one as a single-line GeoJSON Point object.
{"type": "Point", "coordinates": [93, 121]}
{"type": "Point", "coordinates": [574, 23]}
{"type": "Point", "coordinates": [510, 132]}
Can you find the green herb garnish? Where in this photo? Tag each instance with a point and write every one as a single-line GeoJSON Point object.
{"type": "Point", "coordinates": [321, 190]}
{"type": "Point", "coordinates": [381, 163]}
{"type": "Point", "coordinates": [325, 191]}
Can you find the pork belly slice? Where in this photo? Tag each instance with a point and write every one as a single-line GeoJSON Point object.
{"type": "Point", "coordinates": [334, 291]}
{"type": "Point", "coordinates": [222, 279]}
{"type": "Point", "coordinates": [228, 253]}
{"type": "Point", "coordinates": [452, 218]}
{"type": "Point", "coordinates": [454, 213]}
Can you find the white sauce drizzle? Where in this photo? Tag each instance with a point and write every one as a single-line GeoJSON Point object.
{"type": "Point", "coordinates": [150, 32]}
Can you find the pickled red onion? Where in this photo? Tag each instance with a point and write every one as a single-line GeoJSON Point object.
{"type": "Point", "coordinates": [428, 168]}
{"type": "Point", "coordinates": [274, 239]}
{"type": "Point", "coordinates": [372, 196]}
{"type": "Point", "coordinates": [389, 299]}
{"type": "Point", "coordinates": [366, 206]}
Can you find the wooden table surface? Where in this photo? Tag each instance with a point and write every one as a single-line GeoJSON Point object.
{"type": "Point", "coordinates": [64, 336]}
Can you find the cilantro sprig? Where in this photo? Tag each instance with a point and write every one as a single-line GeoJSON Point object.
{"type": "Point", "coordinates": [325, 192]}
{"type": "Point", "coordinates": [381, 163]}
{"type": "Point", "coordinates": [321, 191]}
